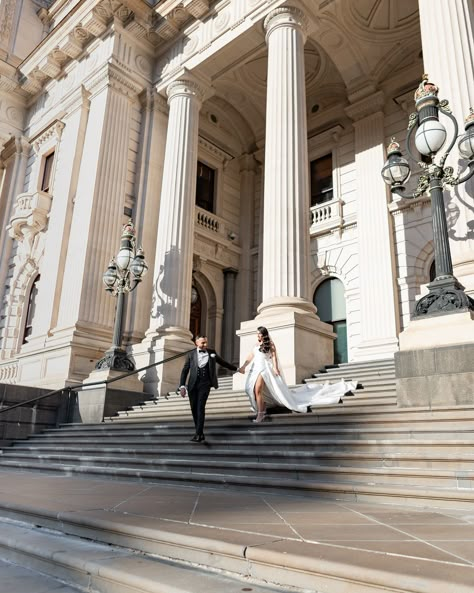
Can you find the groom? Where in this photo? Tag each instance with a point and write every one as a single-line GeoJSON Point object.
{"type": "Point", "coordinates": [201, 366]}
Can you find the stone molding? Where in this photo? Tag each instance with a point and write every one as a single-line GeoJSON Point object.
{"type": "Point", "coordinates": [53, 131]}
{"type": "Point", "coordinates": [286, 16]}
{"type": "Point", "coordinates": [111, 75]}
{"type": "Point", "coordinates": [214, 150]}
{"type": "Point", "coordinates": [30, 215]}
{"type": "Point", "coordinates": [366, 107]}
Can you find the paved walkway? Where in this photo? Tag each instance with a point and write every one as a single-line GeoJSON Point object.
{"type": "Point", "coordinates": [430, 543]}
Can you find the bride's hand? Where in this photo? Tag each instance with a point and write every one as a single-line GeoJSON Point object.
{"type": "Point", "coordinates": [277, 372]}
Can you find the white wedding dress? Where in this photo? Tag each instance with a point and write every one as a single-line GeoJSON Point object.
{"type": "Point", "coordinates": [276, 391]}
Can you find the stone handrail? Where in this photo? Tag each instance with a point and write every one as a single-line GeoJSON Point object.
{"type": "Point", "coordinates": [8, 372]}
{"type": "Point", "coordinates": [328, 214]}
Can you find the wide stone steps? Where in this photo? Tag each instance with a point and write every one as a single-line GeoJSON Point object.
{"type": "Point", "coordinates": [366, 446]}
{"type": "Point", "coordinates": [101, 568]}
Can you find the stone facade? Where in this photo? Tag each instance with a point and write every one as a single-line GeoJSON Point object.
{"type": "Point", "coordinates": [128, 96]}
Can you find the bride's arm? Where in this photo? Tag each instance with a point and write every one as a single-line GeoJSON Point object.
{"type": "Point", "coordinates": [248, 360]}
{"type": "Point", "coordinates": [275, 360]}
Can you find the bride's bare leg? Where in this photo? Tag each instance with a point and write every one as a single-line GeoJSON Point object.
{"type": "Point", "coordinates": [258, 391]}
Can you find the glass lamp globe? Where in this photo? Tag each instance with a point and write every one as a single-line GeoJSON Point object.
{"type": "Point", "coordinates": [430, 137]}
{"type": "Point", "coordinates": [396, 170]}
{"type": "Point", "coordinates": [138, 266]}
{"type": "Point", "coordinates": [466, 143]}
{"type": "Point", "coordinates": [110, 277]}
{"type": "Point", "coordinates": [124, 257]}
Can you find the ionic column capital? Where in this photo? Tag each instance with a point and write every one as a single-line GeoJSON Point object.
{"type": "Point", "coordinates": [286, 16]}
{"type": "Point", "coordinates": [186, 87]}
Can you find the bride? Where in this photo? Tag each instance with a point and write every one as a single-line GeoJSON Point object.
{"type": "Point", "coordinates": [265, 384]}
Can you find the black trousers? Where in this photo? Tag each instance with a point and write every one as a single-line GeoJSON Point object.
{"type": "Point", "coordinates": [197, 399]}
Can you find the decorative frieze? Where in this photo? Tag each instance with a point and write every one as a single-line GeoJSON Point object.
{"type": "Point", "coordinates": [54, 130]}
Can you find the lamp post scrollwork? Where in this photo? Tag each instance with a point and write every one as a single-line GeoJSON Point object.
{"type": "Point", "coordinates": [124, 272]}
{"type": "Point", "coordinates": [446, 294]}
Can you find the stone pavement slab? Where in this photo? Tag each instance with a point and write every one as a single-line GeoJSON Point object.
{"type": "Point", "coordinates": [428, 546]}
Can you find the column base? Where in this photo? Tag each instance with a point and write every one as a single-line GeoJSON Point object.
{"type": "Point", "coordinates": [304, 343]}
{"type": "Point", "coordinates": [440, 375]}
{"type": "Point", "coordinates": [379, 349]}
{"type": "Point", "coordinates": [160, 380]}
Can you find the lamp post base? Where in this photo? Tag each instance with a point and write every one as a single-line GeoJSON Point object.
{"type": "Point", "coordinates": [446, 295]}
{"type": "Point", "coordinates": [115, 359]}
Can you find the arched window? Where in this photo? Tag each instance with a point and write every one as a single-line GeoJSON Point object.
{"type": "Point", "coordinates": [433, 271]}
{"type": "Point", "coordinates": [31, 310]}
{"type": "Point", "coordinates": [331, 304]}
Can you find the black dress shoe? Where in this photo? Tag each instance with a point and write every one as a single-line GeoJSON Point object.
{"type": "Point", "coordinates": [195, 438]}
{"type": "Point", "coordinates": [201, 438]}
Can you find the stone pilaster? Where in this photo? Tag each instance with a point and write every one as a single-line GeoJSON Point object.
{"type": "Point", "coordinates": [303, 341]}
{"type": "Point", "coordinates": [168, 333]}
{"type": "Point", "coordinates": [86, 312]}
{"type": "Point", "coordinates": [378, 317]}
{"type": "Point", "coordinates": [14, 160]}
{"type": "Point", "coordinates": [447, 35]}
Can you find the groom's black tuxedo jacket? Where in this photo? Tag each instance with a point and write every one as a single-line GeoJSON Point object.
{"type": "Point", "coordinates": [191, 367]}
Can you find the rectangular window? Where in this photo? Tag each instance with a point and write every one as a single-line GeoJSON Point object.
{"type": "Point", "coordinates": [205, 187]}
{"type": "Point", "coordinates": [47, 171]}
{"type": "Point", "coordinates": [321, 180]}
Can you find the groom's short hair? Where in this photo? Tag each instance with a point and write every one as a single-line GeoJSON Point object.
{"type": "Point", "coordinates": [199, 336]}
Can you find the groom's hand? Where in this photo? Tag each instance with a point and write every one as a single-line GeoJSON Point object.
{"type": "Point", "coordinates": [183, 391]}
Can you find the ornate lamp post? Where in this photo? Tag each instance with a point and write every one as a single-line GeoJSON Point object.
{"type": "Point", "coordinates": [124, 273]}
{"type": "Point", "coordinates": [446, 294]}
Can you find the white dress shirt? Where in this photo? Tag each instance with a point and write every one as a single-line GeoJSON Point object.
{"type": "Point", "coordinates": [203, 358]}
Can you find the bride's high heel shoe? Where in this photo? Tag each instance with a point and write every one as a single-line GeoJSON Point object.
{"type": "Point", "coordinates": [260, 417]}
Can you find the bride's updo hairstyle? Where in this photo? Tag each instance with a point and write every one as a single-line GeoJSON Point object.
{"type": "Point", "coordinates": [266, 344]}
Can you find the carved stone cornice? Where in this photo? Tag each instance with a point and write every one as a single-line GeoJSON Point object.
{"type": "Point", "coordinates": [216, 152]}
{"type": "Point", "coordinates": [53, 131]}
{"type": "Point", "coordinates": [286, 16]}
{"type": "Point", "coordinates": [365, 107]}
{"type": "Point", "coordinates": [111, 75]}
{"type": "Point", "coordinates": [15, 145]}
{"type": "Point", "coordinates": [196, 8]}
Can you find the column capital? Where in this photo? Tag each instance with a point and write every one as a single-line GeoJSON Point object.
{"type": "Point", "coordinates": [248, 163]}
{"type": "Point", "coordinates": [366, 106]}
{"type": "Point", "coordinates": [186, 87]}
{"type": "Point", "coordinates": [286, 16]}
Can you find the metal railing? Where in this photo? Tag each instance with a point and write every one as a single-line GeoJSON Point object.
{"type": "Point", "coordinates": [86, 387]}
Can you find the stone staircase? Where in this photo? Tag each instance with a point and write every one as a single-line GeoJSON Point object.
{"type": "Point", "coordinates": [365, 449]}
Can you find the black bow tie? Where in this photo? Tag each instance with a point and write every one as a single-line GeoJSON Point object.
{"type": "Point", "coordinates": [203, 351]}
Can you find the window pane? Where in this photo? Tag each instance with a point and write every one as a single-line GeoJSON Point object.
{"type": "Point", "coordinates": [321, 180]}
{"type": "Point", "coordinates": [30, 314]}
{"type": "Point", "coordinates": [48, 167]}
{"type": "Point", "coordinates": [205, 187]}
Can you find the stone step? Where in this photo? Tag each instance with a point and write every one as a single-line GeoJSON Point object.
{"type": "Point", "coordinates": [296, 565]}
{"type": "Point", "coordinates": [288, 470]}
{"type": "Point", "coordinates": [15, 578]}
{"type": "Point", "coordinates": [296, 445]}
{"type": "Point", "coordinates": [449, 459]}
{"type": "Point", "coordinates": [102, 568]}
{"type": "Point", "coordinates": [415, 494]}
{"type": "Point", "coordinates": [265, 431]}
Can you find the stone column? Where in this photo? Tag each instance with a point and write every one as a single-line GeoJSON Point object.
{"type": "Point", "coordinates": [168, 333]}
{"type": "Point", "coordinates": [150, 176]}
{"type": "Point", "coordinates": [303, 341]}
{"type": "Point", "coordinates": [228, 326]}
{"type": "Point", "coordinates": [447, 38]}
{"type": "Point", "coordinates": [248, 171]}
{"type": "Point", "coordinates": [378, 295]}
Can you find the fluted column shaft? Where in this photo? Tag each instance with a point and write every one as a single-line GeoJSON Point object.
{"type": "Point", "coordinates": [447, 38]}
{"type": "Point", "coordinates": [248, 169]}
{"type": "Point", "coordinates": [228, 325]}
{"type": "Point", "coordinates": [286, 191]}
{"type": "Point", "coordinates": [378, 326]}
{"type": "Point", "coordinates": [171, 305]}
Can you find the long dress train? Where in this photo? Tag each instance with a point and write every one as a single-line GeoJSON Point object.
{"type": "Point", "coordinates": [276, 391]}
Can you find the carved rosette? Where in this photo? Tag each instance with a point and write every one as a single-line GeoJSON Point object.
{"type": "Point", "coordinates": [286, 16]}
